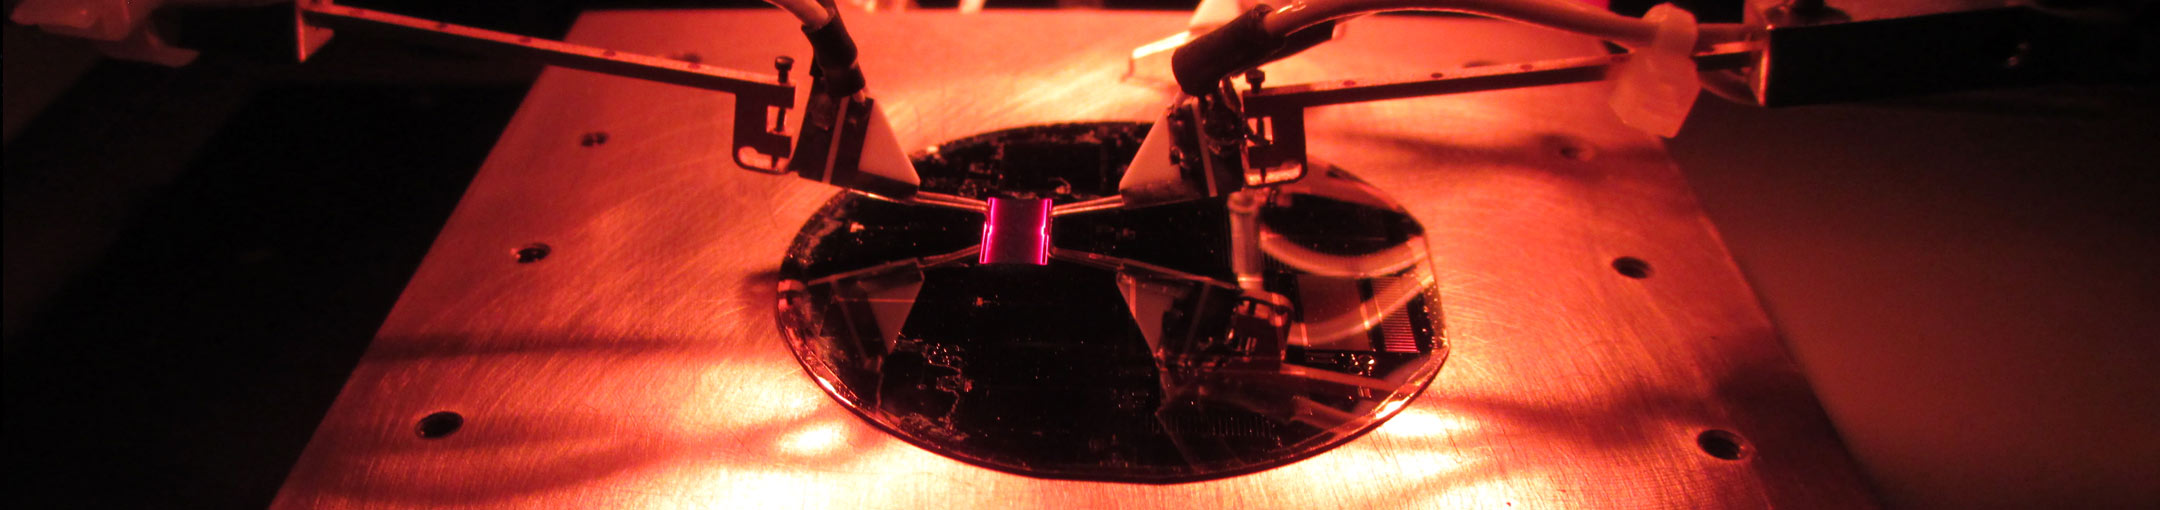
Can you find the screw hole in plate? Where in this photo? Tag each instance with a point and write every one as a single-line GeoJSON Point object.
{"type": "Point", "coordinates": [531, 253]}
{"type": "Point", "coordinates": [1723, 444]}
{"type": "Point", "coordinates": [1577, 152]}
{"type": "Point", "coordinates": [439, 425]}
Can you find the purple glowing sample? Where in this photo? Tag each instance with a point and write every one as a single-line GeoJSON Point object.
{"type": "Point", "coordinates": [1017, 231]}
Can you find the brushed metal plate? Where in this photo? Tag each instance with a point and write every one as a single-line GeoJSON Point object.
{"type": "Point", "coordinates": [638, 364]}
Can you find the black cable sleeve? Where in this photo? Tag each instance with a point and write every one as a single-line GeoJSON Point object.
{"type": "Point", "coordinates": [834, 55]}
{"type": "Point", "coordinates": [1301, 40]}
{"type": "Point", "coordinates": [1241, 44]}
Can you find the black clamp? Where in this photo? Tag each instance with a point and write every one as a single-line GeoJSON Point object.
{"type": "Point", "coordinates": [1243, 43]}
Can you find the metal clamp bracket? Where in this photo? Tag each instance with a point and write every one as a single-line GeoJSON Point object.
{"type": "Point", "coordinates": [1277, 114]}
{"type": "Point", "coordinates": [760, 102]}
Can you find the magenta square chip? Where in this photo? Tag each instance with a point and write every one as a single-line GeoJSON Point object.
{"type": "Point", "coordinates": [1017, 231]}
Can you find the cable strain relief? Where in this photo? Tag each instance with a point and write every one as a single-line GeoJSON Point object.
{"type": "Point", "coordinates": [1241, 44]}
{"type": "Point", "coordinates": [834, 56]}
{"type": "Point", "coordinates": [1301, 40]}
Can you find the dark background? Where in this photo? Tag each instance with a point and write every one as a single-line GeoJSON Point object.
{"type": "Point", "coordinates": [196, 258]}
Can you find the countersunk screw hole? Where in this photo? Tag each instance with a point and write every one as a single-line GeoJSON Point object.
{"type": "Point", "coordinates": [1723, 445]}
{"type": "Point", "coordinates": [1632, 267]}
{"type": "Point", "coordinates": [531, 253]}
{"type": "Point", "coordinates": [439, 425]}
{"type": "Point", "coordinates": [1577, 152]}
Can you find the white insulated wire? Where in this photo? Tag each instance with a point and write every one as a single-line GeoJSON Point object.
{"type": "Point", "coordinates": [813, 15]}
{"type": "Point", "coordinates": [1566, 15]}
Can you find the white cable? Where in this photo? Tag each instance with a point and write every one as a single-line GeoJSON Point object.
{"type": "Point", "coordinates": [1560, 14]}
{"type": "Point", "coordinates": [1383, 262]}
{"type": "Point", "coordinates": [813, 15]}
{"type": "Point", "coordinates": [1386, 261]}
{"type": "Point", "coordinates": [1385, 301]}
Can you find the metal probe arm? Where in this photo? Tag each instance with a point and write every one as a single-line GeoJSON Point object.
{"type": "Point", "coordinates": [844, 141]}
{"type": "Point", "coordinates": [1218, 139]}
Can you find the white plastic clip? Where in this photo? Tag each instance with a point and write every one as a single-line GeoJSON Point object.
{"type": "Point", "coordinates": [1658, 84]}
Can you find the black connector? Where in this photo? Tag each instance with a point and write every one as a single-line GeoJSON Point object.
{"type": "Point", "coordinates": [1243, 43]}
{"type": "Point", "coordinates": [833, 52]}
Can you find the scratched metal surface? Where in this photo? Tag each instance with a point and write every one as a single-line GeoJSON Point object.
{"type": "Point", "coordinates": [639, 365]}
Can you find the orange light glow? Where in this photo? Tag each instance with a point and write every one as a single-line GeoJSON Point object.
{"type": "Point", "coordinates": [816, 439]}
{"type": "Point", "coordinates": [725, 397]}
{"type": "Point", "coordinates": [1423, 423]}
